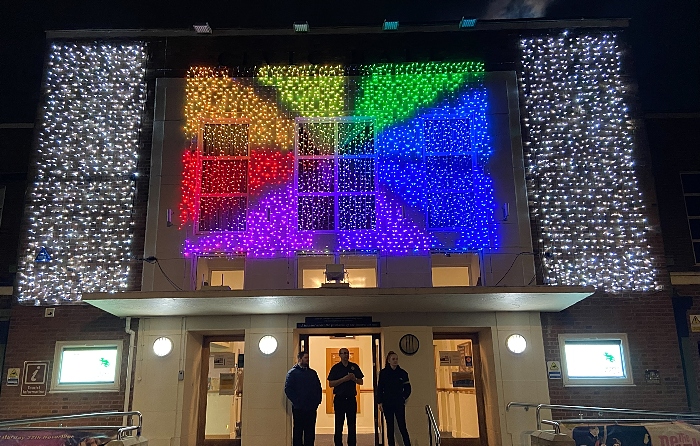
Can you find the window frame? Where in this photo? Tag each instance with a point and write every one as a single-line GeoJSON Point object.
{"type": "Point", "coordinates": [214, 158]}
{"type": "Point", "coordinates": [628, 380]}
{"type": "Point", "coordinates": [336, 194]}
{"type": "Point", "coordinates": [693, 241]}
{"type": "Point", "coordinates": [57, 387]}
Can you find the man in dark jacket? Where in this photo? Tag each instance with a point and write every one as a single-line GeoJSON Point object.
{"type": "Point", "coordinates": [303, 388]}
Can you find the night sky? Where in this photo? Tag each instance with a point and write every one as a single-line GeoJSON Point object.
{"type": "Point", "coordinates": [665, 36]}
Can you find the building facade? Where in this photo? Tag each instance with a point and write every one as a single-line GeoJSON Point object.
{"type": "Point", "coordinates": [475, 188]}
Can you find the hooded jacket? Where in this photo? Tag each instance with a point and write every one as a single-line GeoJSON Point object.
{"type": "Point", "coordinates": [303, 388]}
{"type": "Point", "coordinates": [393, 387]}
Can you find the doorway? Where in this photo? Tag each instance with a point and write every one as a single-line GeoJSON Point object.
{"type": "Point", "coordinates": [364, 351]}
{"type": "Point", "coordinates": [460, 393]}
{"type": "Point", "coordinates": [221, 391]}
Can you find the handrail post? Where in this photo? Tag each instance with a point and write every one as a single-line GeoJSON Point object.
{"type": "Point", "coordinates": [539, 420]}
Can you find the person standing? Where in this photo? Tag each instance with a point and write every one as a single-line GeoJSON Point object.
{"type": "Point", "coordinates": [393, 389]}
{"type": "Point", "coordinates": [344, 378]}
{"type": "Point", "coordinates": [303, 388]}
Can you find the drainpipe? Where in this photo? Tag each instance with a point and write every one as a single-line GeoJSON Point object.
{"type": "Point", "coordinates": [129, 366]}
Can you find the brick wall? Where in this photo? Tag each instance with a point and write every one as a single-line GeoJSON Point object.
{"type": "Point", "coordinates": [33, 337]}
{"type": "Point", "coordinates": [649, 324]}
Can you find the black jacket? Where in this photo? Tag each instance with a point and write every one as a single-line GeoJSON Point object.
{"type": "Point", "coordinates": [303, 388]}
{"type": "Point", "coordinates": [393, 388]}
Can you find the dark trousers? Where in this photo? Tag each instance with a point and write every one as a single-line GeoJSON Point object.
{"type": "Point", "coordinates": [345, 407]}
{"type": "Point", "coordinates": [400, 413]}
{"type": "Point", "coordinates": [304, 429]}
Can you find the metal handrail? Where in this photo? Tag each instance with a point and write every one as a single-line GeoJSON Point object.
{"type": "Point", "coordinates": [666, 415]}
{"type": "Point", "coordinates": [121, 432]}
{"type": "Point", "coordinates": [432, 426]}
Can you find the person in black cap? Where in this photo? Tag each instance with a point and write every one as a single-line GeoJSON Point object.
{"type": "Point", "coordinates": [393, 389]}
{"type": "Point", "coordinates": [303, 388]}
{"type": "Point", "coordinates": [344, 378]}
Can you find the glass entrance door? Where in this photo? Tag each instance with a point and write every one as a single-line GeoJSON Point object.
{"type": "Point", "coordinates": [460, 411]}
{"type": "Point", "coordinates": [364, 351]}
{"type": "Point", "coordinates": [221, 391]}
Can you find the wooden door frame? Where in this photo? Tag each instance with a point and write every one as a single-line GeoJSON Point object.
{"type": "Point", "coordinates": [204, 389]}
{"type": "Point", "coordinates": [476, 357]}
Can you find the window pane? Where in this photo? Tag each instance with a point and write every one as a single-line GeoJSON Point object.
{"type": "Point", "coordinates": [451, 276]}
{"type": "Point", "coordinates": [225, 140]}
{"type": "Point", "coordinates": [88, 365]}
{"type": "Point", "coordinates": [692, 203]}
{"type": "Point", "coordinates": [316, 213]}
{"type": "Point", "coordinates": [594, 359]}
{"type": "Point", "coordinates": [232, 279]}
{"type": "Point", "coordinates": [316, 175]}
{"type": "Point", "coordinates": [356, 175]}
{"type": "Point", "coordinates": [356, 212]}
{"type": "Point", "coordinates": [695, 228]}
{"type": "Point", "coordinates": [355, 138]}
{"type": "Point", "coordinates": [316, 138]}
{"type": "Point", "coordinates": [691, 183]}
{"type": "Point", "coordinates": [222, 213]}
{"type": "Point", "coordinates": [224, 176]}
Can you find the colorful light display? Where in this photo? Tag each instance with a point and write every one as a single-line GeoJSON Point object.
{"type": "Point", "coordinates": [80, 204]}
{"type": "Point", "coordinates": [581, 177]}
{"type": "Point", "coordinates": [384, 158]}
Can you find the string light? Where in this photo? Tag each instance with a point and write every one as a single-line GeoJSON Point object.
{"type": "Point", "coordinates": [80, 204]}
{"type": "Point", "coordinates": [581, 180]}
{"type": "Point", "coordinates": [387, 157]}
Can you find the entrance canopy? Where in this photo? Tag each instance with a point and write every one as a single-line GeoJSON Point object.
{"type": "Point", "coordinates": [338, 301]}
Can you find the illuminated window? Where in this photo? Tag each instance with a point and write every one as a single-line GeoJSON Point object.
{"type": "Point", "coordinates": [595, 360]}
{"type": "Point", "coordinates": [361, 271]}
{"type": "Point", "coordinates": [691, 194]}
{"type": "Point", "coordinates": [336, 174]}
{"type": "Point", "coordinates": [87, 366]}
{"type": "Point", "coordinates": [224, 183]}
{"type": "Point", "coordinates": [221, 271]}
{"type": "Point", "coordinates": [455, 269]}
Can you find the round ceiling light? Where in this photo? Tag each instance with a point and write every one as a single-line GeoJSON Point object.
{"type": "Point", "coordinates": [162, 346]}
{"type": "Point", "coordinates": [267, 344]}
{"type": "Point", "coordinates": [516, 343]}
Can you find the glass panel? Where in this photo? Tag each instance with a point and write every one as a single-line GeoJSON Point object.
{"type": "Point", "coordinates": [451, 276]}
{"type": "Point", "coordinates": [356, 212]}
{"type": "Point", "coordinates": [224, 390]}
{"type": "Point", "coordinates": [456, 388]}
{"type": "Point", "coordinates": [222, 214]}
{"type": "Point", "coordinates": [692, 204]}
{"type": "Point", "coordinates": [451, 172]}
{"type": "Point", "coordinates": [695, 228]}
{"type": "Point", "coordinates": [316, 213]}
{"type": "Point", "coordinates": [316, 138]}
{"type": "Point", "coordinates": [691, 183]}
{"type": "Point", "coordinates": [233, 279]}
{"type": "Point", "coordinates": [224, 176]}
{"type": "Point", "coordinates": [355, 138]}
{"type": "Point", "coordinates": [225, 140]}
{"type": "Point", "coordinates": [316, 175]}
{"type": "Point", "coordinates": [361, 277]}
{"type": "Point", "coordinates": [356, 175]}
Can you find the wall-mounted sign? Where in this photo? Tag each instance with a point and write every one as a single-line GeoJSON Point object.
{"type": "Point", "coordinates": [227, 384]}
{"type": "Point", "coordinates": [338, 322]}
{"type": "Point", "coordinates": [34, 378]}
{"type": "Point", "coordinates": [450, 358]}
{"type": "Point", "coordinates": [13, 376]}
{"type": "Point", "coordinates": [695, 323]}
{"type": "Point", "coordinates": [224, 360]}
{"type": "Point", "coordinates": [554, 369]}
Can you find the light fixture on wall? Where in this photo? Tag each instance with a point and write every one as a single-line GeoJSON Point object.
{"type": "Point", "coordinates": [267, 345]}
{"type": "Point", "coordinates": [516, 343]}
{"type": "Point", "coordinates": [162, 346]}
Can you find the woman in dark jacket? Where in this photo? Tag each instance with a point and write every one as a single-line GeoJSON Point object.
{"type": "Point", "coordinates": [393, 389]}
